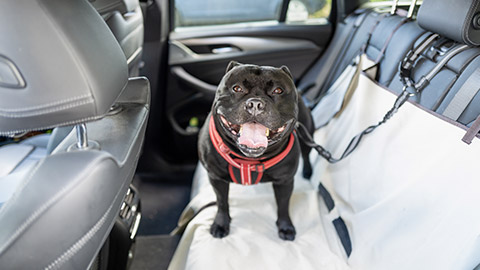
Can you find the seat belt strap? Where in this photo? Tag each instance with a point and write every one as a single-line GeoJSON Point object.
{"type": "Point", "coordinates": [464, 96]}
{"type": "Point", "coordinates": [322, 81]}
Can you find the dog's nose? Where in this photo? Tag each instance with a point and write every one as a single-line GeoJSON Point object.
{"type": "Point", "coordinates": [255, 106]}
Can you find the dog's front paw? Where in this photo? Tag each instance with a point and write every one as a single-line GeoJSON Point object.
{"type": "Point", "coordinates": [286, 230]}
{"type": "Point", "coordinates": [219, 231]}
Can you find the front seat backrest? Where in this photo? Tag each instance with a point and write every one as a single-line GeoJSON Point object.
{"type": "Point", "coordinates": [125, 19]}
{"type": "Point", "coordinates": [61, 65]}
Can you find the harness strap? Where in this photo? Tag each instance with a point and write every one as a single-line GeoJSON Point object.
{"type": "Point", "coordinates": [244, 164]}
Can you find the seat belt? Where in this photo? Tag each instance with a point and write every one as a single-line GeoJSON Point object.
{"type": "Point", "coordinates": [463, 97]}
{"type": "Point", "coordinates": [372, 69]}
{"type": "Point", "coordinates": [314, 89]}
{"type": "Point", "coordinates": [360, 19]}
{"type": "Point", "coordinates": [320, 92]}
{"type": "Point", "coordinates": [332, 103]}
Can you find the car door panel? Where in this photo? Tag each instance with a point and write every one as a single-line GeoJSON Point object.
{"type": "Point", "coordinates": [197, 62]}
{"type": "Point", "coordinates": [206, 58]}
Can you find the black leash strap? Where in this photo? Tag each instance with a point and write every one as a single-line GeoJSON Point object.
{"type": "Point", "coordinates": [355, 141]}
{"type": "Point", "coordinates": [411, 88]}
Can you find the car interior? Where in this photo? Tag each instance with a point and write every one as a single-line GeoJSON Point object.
{"type": "Point", "coordinates": [102, 102]}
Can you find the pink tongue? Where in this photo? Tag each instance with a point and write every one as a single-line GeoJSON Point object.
{"type": "Point", "coordinates": [253, 135]}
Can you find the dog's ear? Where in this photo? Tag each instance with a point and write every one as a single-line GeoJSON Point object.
{"type": "Point", "coordinates": [287, 71]}
{"type": "Point", "coordinates": [231, 65]}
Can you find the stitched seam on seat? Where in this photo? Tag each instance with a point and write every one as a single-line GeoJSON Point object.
{"type": "Point", "coordinates": [44, 207]}
{"type": "Point", "coordinates": [468, 21]}
{"type": "Point", "coordinates": [24, 158]}
{"type": "Point", "coordinates": [70, 51]}
{"type": "Point", "coordinates": [45, 111]}
{"type": "Point", "coordinates": [15, 195]}
{"type": "Point", "coordinates": [48, 104]}
{"type": "Point", "coordinates": [56, 264]}
{"type": "Point", "coordinates": [134, 55]}
{"type": "Point", "coordinates": [83, 120]}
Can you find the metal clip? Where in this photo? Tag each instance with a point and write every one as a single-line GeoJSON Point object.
{"type": "Point", "coordinates": [406, 89]}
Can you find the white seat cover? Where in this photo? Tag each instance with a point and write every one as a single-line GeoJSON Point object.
{"type": "Point", "coordinates": [408, 195]}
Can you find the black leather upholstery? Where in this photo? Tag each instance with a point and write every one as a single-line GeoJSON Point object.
{"type": "Point", "coordinates": [72, 64]}
{"type": "Point", "coordinates": [125, 19]}
{"type": "Point", "coordinates": [56, 210]}
{"type": "Point", "coordinates": [122, 6]}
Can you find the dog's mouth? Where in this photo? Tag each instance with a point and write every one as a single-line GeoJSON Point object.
{"type": "Point", "coordinates": [253, 137]}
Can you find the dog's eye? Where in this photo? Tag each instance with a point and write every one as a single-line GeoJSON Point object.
{"type": "Point", "coordinates": [237, 88]}
{"type": "Point", "coordinates": [278, 91]}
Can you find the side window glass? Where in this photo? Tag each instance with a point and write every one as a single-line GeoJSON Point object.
{"type": "Point", "coordinates": [217, 12]}
{"type": "Point", "coordinates": [308, 11]}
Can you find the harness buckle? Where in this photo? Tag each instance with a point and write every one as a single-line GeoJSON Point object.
{"type": "Point", "coordinates": [259, 168]}
{"type": "Point", "coordinates": [224, 148]}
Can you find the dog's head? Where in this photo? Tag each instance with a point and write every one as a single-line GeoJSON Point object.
{"type": "Point", "coordinates": [256, 107]}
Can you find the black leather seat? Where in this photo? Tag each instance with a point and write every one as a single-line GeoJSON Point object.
{"type": "Point", "coordinates": [125, 19]}
{"type": "Point", "coordinates": [64, 67]}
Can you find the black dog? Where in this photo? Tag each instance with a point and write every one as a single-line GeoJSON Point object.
{"type": "Point", "coordinates": [249, 137]}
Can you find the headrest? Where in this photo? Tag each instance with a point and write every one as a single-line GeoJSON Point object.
{"type": "Point", "coordinates": [59, 65]}
{"type": "Point", "coordinates": [122, 6]}
{"type": "Point", "coordinates": [458, 20]}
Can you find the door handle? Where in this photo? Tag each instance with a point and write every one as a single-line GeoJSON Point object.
{"type": "Point", "coordinates": [227, 49]}
{"type": "Point", "coordinates": [199, 85]}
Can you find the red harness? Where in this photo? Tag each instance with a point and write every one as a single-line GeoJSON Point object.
{"type": "Point", "coordinates": [244, 164]}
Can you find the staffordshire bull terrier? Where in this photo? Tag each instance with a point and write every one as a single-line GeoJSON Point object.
{"type": "Point", "coordinates": [249, 137]}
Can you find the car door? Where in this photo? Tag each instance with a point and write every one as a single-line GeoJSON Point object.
{"type": "Point", "coordinates": [204, 36]}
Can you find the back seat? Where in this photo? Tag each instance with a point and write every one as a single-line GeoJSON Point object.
{"type": "Point", "coordinates": [414, 207]}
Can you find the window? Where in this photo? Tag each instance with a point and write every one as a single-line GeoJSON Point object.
{"type": "Point", "coordinates": [308, 11]}
{"type": "Point", "coordinates": [216, 12]}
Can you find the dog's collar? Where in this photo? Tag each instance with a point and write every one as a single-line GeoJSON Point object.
{"type": "Point", "coordinates": [244, 164]}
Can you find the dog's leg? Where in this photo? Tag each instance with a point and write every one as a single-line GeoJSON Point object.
{"type": "Point", "coordinates": [221, 225]}
{"type": "Point", "coordinates": [283, 192]}
{"type": "Point", "coordinates": [307, 166]}
{"type": "Point", "coordinates": [305, 117]}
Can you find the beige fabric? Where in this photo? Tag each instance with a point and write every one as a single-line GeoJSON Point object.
{"type": "Point", "coordinates": [338, 95]}
{"type": "Point", "coordinates": [369, 66]}
{"type": "Point", "coordinates": [408, 192]}
{"type": "Point", "coordinates": [253, 242]}
{"type": "Point", "coordinates": [408, 195]}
